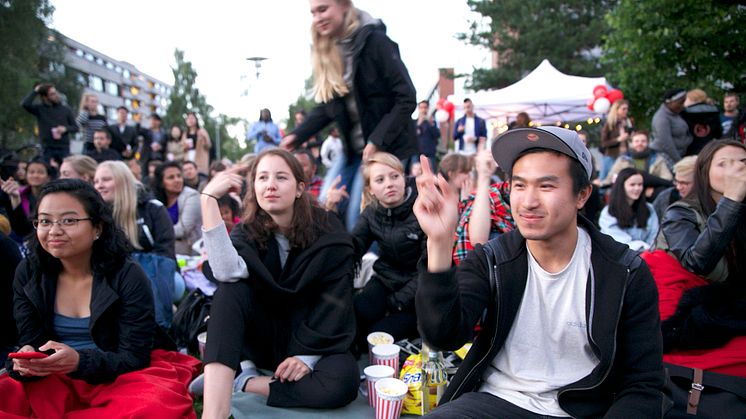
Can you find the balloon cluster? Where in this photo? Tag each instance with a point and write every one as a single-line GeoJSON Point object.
{"type": "Point", "coordinates": [445, 109]}
{"type": "Point", "coordinates": [603, 98]}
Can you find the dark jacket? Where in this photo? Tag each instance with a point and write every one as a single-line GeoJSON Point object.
{"type": "Point", "coordinates": [103, 155]}
{"type": "Point", "coordinates": [313, 292]}
{"type": "Point", "coordinates": [122, 321]}
{"type": "Point", "coordinates": [11, 257]}
{"type": "Point", "coordinates": [120, 140]}
{"type": "Point", "coordinates": [48, 116]}
{"type": "Point", "coordinates": [699, 242]}
{"type": "Point", "coordinates": [384, 94]}
{"type": "Point", "coordinates": [623, 318]}
{"type": "Point", "coordinates": [428, 135]}
{"type": "Point", "coordinates": [401, 243]}
{"type": "Point", "coordinates": [156, 231]}
{"type": "Point", "coordinates": [480, 129]}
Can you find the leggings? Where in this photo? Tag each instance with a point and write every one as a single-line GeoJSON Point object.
{"type": "Point", "coordinates": [372, 315]}
{"type": "Point", "coordinates": [242, 326]}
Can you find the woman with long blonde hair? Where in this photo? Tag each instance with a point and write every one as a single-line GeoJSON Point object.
{"type": "Point", "coordinates": [361, 84]}
{"type": "Point", "coordinates": [615, 134]}
{"type": "Point", "coordinates": [144, 219]}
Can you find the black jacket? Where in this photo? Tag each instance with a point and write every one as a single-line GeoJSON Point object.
{"type": "Point", "coordinates": [122, 321]}
{"type": "Point", "coordinates": [384, 94]}
{"type": "Point", "coordinates": [156, 231]}
{"type": "Point", "coordinates": [698, 242]}
{"type": "Point", "coordinates": [401, 243]}
{"type": "Point", "coordinates": [103, 155]}
{"type": "Point", "coordinates": [120, 140]}
{"type": "Point", "coordinates": [49, 116]}
{"type": "Point", "coordinates": [313, 291]}
{"type": "Point", "coordinates": [622, 310]}
{"type": "Point", "coordinates": [11, 257]}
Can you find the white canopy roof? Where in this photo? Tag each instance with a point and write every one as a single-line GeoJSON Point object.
{"type": "Point", "coordinates": [546, 94]}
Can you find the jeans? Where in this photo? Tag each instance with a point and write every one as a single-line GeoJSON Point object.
{"type": "Point", "coordinates": [352, 177]}
{"type": "Point", "coordinates": [606, 163]}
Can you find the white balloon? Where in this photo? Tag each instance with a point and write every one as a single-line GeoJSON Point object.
{"type": "Point", "coordinates": [443, 115]}
{"type": "Point", "coordinates": [601, 105]}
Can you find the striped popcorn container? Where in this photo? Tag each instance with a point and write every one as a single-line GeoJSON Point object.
{"type": "Point", "coordinates": [387, 354]}
{"type": "Point", "coordinates": [374, 373]}
{"type": "Point", "coordinates": [390, 394]}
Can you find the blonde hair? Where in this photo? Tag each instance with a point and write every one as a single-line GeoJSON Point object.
{"type": "Point", "coordinates": [612, 118]}
{"type": "Point", "coordinates": [85, 166]}
{"type": "Point", "coordinates": [327, 60]}
{"type": "Point", "coordinates": [384, 158]}
{"type": "Point", "coordinates": [84, 101]}
{"type": "Point", "coordinates": [697, 96]}
{"type": "Point", "coordinates": [124, 207]}
{"type": "Point", "coordinates": [685, 166]}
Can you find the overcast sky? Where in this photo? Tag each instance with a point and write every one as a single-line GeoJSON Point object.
{"type": "Point", "coordinates": [218, 35]}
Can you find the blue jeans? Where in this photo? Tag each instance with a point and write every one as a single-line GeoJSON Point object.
{"type": "Point", "coordinates": [352, 177]}
{"type": "Point", "coordinates": [606, 163]}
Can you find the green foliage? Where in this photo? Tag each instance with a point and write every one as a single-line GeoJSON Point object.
{"type": "Point", "coordinates": [30, 53]}
{"type": "Point", "coordinates": [185, 97]}
{"type": "Point", "coordinates": [524, 32]}
{"type": "Point", "coordinates": [661, 44]}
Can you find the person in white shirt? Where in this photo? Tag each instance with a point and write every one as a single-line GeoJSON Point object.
{"type": "Point", "coordinates": [331, 149]}
{"type": "Point", "coordinates": [470, 131]}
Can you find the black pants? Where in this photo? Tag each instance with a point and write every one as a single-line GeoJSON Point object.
{"type": "Point", "coordinates": [482, 405]}
{"type": "Point", "coordinates": [57, 153]}
{"type": "Point", "coordinates": [373, 316]}
{"type": "Point", "coordinates": [243, 325]}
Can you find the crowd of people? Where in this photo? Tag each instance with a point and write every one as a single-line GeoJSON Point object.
{"type": "Point", "coordinates": [549, 260]}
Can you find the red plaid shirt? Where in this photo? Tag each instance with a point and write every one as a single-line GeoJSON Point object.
{"type": "Point", "coordinates": [314, 187]}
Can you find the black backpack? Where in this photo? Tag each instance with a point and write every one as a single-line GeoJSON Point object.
{"type": "Point", "coordinates": [191, 319]}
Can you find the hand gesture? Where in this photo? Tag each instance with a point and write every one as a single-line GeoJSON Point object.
{"type": "Point", "coordinates": [229, 180]}
{"type": "Point", "coordinates": [335, 195]}
{"type": "Point", "coordinates": [735, 180]}
{"type": "Point", "coordinates": [368, 151]}
{"type": "Point", "coordinates": [461, 128]}
{"type": "Point", "coordinates": [467, 186]}
{"type": "Point", "coordinates": [485, 165]}
{"type": "Point", "coordinates": [291, 369]}
{"type": "Point", "coordinates": [288, 143]}
{"type": "Point", "coordinates": [436, 207]}
{"type": "Point", "coordinates": [64, 360]}
{"type": "Point", "coordinates": [13, 189]}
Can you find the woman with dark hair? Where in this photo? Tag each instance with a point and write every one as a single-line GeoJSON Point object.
{"type": "Point", "coordinates": [285, 299]}
{"type": "Point", "coordinates": [629, 218]}
{"type": "Point", "coordinates": [175, 147]}
{"type": "Point", "coordinates": [20, 201]}
{"type": "Point", "coordinates": [264, 132]}
{"type": "Point", "coordinates": [182, 203]}
{"type": "Point", "coordinates": [361, 83]}
{"type": "Point", "coordinates": [83, 302]}
{"type": "Point", "coordinates": [706, 233]}
{"type": "Point", "coordinates": [197, 143]}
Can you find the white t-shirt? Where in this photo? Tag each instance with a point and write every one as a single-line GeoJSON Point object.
{"type": "Point", "coordinates": [547, 347]}
{"type": "Point", "coordinates": [470, 147]}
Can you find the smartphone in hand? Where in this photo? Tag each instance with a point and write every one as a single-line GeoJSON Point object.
{"type": "Point", "coordinates": [27, 355]}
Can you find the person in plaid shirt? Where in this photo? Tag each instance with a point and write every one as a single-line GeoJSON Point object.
{"type": "Point", "coordinates": [475, 226]}
{"type": "Point", "coordinates": [308, 162]}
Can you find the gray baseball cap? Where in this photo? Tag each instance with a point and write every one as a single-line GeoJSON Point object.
{"type": "Point", "coordinates": [509, 145]}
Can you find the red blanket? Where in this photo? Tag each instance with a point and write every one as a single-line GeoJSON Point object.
{"type": "Point", "coordinates": [159, 391]}
{"type": "Point", "coordinates": [672, 280]}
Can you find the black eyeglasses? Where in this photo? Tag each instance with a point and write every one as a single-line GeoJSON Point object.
{"type": "Point", "coordinates": [65, 223]}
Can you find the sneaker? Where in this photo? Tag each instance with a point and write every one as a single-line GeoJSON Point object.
{"type": "Point", "coordinates": [248, 371]}
{"type": "Point", "coordinates": [197, 386]}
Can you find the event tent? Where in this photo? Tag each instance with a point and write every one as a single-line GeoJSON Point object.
{"type": "Point", "coordinates": [546, 94]}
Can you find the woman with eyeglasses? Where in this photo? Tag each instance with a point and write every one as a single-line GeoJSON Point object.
{"type": "Point", "coordinates": [81, 301]}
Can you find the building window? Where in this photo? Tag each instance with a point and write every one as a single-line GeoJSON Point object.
{"type": "Point", "coordinates": [82, 79]}
{"type": "Point", "coordinates": [152, 97]}
{"type": "Point", "coordinates": [79, 52]}
{"type": "Point", "coordinates": [95, 83]}
{"type": "Point", "coordinates": [134, 90]}
{"type": "Point", "coordinates": [109, 65]}
{"type": "Point", "coordinates": [118, 69]}
{"type": "Point", "coordinates": [136, 117]}
{"type": "Point", "coordinates": [126, 73]}
{"type": "Point", "coordinates": [111, 88]}
{"type": "Point", "coordinates": [127, 103]}
{"type": "Point", "coordinates": [99, 61]}
{"type": "Point", "coordinates": [111, 113]}
{"type": "Point", "coordinates": [89, 56]}
{"type": "Point", "coordinates": [135, 104]}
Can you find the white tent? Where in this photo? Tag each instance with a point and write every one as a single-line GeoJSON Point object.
{"type": "Point", "coordinates": [546, 94]}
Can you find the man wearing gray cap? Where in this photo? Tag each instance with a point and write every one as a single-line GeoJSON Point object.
{"type": "Point", "coordinates": [570, 322]}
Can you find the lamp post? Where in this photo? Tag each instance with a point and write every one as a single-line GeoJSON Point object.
{"type": "Point", "coordinates": [257, 64]}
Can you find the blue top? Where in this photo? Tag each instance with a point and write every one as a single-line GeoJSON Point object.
{"type": "Point", "coordinates": [257, 131]}
{"type": "Point", "coordinates": [73, 331]}
{"type": "Point", "coordinates": [637, 238]}
{"type": "Point", "coordinates": [173, 212]}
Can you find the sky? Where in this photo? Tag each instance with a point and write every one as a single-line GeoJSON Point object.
{"type": "Point", "coordinates": [218, 35]}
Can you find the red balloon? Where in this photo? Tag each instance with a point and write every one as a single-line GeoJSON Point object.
{"type": "Point", "coordinates": [615, 95]}
{"type": "Point", "coordinates": [600, 91]}
{"type": "Point", "coordinates": [449, 106]}
{"type": "Point", "coordinates": [589, 103]}
{"type": "Point", "coordinates": [440, 103]}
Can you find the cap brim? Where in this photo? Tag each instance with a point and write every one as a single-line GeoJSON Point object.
{"type": "Point", "coordinates": [508, 146]}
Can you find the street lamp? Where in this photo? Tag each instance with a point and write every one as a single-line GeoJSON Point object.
{"type": "Point", "coordinates": [257, 64]}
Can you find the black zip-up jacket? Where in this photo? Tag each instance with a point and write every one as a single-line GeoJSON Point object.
{"type": "Point", "coordinates": [48, 116]}
{"type": "Point", "coordinates": [384, 94]}
{"type": "Point", "coordinates": [401, 243]}
{"type": "Point", "coordinates": [621, 308]}
{"type": "Point", "coordinates": [122, 321]}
